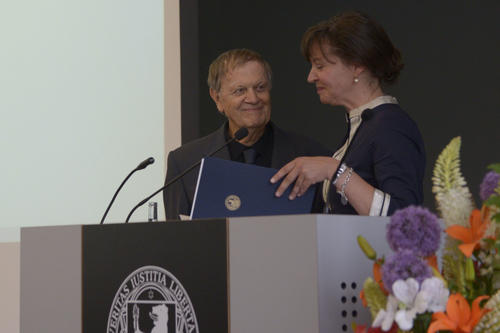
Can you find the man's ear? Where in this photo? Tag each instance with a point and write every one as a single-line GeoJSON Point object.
{"type": "Point", "coordinates": [215, 97]}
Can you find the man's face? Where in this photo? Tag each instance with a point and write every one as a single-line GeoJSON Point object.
{"type": "Point", "coordinates": [244, 97]}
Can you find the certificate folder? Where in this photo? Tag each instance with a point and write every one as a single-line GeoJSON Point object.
{"type": "Point", "coordinates": [227, 189]}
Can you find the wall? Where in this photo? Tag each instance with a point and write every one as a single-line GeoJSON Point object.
{"type": "Point", "coordinates": [83, 96]}
{"type": "Point", "coordinates": [82, 105]}
{"type": "Point", "coordinates": [449, 84]}
{"type": "Point", "coordinates": [9, 287]}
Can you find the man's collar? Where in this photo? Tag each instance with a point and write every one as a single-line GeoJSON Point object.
{"type": "Point", "coordinates": [263, 146]}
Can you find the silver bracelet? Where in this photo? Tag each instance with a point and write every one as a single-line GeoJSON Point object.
{"type": "Point", "coordinates": [343, 198]}
{"type": "Point", "coordinates": [340, 171]}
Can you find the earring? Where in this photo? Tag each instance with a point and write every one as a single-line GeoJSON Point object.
{"type": "Point", "coordinates": [356, 80]}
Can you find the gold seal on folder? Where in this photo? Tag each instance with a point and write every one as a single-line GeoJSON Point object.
{"type": "Point", "coordinates": [232, 202]}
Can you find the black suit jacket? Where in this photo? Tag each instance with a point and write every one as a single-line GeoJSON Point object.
{"type": "Point", "coordinates": [178, 197]}
{"type": "Point", "coordinates": [388, 153]}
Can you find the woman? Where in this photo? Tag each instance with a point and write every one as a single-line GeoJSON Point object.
{"type": "Point", "coordinates": [380, 166]}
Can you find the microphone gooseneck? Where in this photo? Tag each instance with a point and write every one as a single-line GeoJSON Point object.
{"type": "Point", "coordinates": [141, 166]}
{"type": "Point", "coordinates": [238, 135]}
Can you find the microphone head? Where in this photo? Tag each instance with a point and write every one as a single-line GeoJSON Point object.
{"type": "Point", "coordinates": [145, 163]}
{"type": "Point", "coordinates": [241, 133]}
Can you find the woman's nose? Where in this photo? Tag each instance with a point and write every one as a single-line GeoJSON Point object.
{"type": "Point", "coordinates": [312, 76]}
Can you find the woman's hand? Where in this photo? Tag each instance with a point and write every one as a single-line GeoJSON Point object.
{"type": "Point", "coordinates": [305, 171]}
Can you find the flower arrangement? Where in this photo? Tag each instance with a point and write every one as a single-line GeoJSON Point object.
{"type": "Point", "coordinates": [408, 292]}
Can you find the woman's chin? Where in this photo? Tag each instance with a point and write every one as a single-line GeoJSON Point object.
{"type": "Point", "coordinates": [324, 100]}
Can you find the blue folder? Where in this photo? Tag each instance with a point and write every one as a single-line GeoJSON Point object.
{"type": "Point", "coordinates": [228, 189]}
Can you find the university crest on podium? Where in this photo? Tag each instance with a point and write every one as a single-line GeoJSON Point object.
{"type": "Point", "coordinates": [151, 300]}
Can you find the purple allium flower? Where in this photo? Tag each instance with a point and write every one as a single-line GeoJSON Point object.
{"type": "Point", "coordinates": [416, 229]}
{"type": "Point", "coordinates": [402, 265]}
{"type": "Point", "coordinates": [488, 185]}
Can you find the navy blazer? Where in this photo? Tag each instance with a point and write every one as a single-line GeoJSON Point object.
{"type": "Point", "coordinates": [388, 153]}
{"type": "Point", "coordinates": [178, 197]}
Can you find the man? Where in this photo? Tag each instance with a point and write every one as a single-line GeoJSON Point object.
{"type": "Point", "coordinates": [239, 83]}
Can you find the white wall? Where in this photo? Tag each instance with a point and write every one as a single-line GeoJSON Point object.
{"type": "Point", "coordinates": [83, 89]}
{"type": "Point", "coordinates": [82, 103]}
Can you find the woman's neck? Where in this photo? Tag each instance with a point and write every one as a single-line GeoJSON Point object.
{"type": "Point", "coordinates": [364, 95]}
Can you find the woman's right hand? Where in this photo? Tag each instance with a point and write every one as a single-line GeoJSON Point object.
{"type": "Point", "coordinates": [304, 171]}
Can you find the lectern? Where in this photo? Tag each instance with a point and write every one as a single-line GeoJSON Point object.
{"type": "Point", "coordinates": [293, 274]}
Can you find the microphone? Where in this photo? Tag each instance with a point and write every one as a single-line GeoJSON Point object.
{"type": "Point", "coordinates": [240, 134]}
{"type": "Point", "coordinates": [145, 163]}
{"type": "Point", "coordinates": [141, 166]}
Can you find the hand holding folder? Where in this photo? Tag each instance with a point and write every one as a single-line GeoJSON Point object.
{"type": "Point", "coordinates": [227, 189]}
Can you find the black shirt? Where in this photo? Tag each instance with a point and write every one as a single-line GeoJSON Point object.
{"type": "Point", "coordinates": [263, 147]}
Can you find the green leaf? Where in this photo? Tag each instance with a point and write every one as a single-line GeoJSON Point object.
{"type": "Point", "coordinates": [496, 217]}
{"type": "Point", "coordinates": [496, 265]}
{"type": "Point", "coordinates": [489, 242]}
{"type": "Point", "coordinates": [494, 200]}
{"type": "Point", "coordinates": [495, 167]}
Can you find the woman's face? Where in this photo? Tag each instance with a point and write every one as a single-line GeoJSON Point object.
{"type": "Point", "coordinates": [333, 79]}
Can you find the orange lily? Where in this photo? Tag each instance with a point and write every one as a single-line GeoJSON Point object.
{"type": "Point", "coordinates": [458, 317]}
{"type": "Point", "coordinates": [363, 298]}
{"type": "Point", "coordinates": [377, 275]}
{"type": "Point", "coordinates": [471, 237]}
{"type": "Point", "coordinates": [432, 261]}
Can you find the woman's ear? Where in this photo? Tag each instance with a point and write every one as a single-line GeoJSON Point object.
{"type": "Point", "coordinates": [358, 70]}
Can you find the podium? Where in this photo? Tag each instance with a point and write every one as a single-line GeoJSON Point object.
{"type": "Point", "coordinates": [293, 274]}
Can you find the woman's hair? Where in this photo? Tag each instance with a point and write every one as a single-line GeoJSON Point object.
{"type": "Point", "coordinates": [357, 40]}
{"type": "Point", "coordinates": [231, 59]}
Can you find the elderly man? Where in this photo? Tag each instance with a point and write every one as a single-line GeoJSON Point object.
{"type": "Point", "coordinates": [239, 83]}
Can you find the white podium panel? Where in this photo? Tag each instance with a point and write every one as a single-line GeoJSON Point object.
{"type": "Point", "coordinates": [300, 273]}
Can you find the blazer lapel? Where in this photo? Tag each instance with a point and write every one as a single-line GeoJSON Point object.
{"type": "Point", "coordinates": [283, 151]}
{"type": "Point", "coordinates": [217, 141]}
{"type": "Point", "coordinates": [359, 137]}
